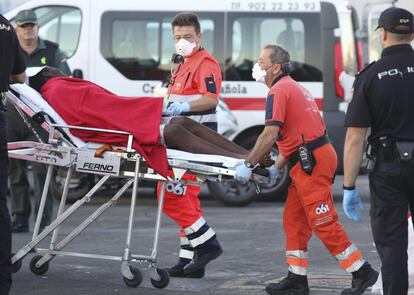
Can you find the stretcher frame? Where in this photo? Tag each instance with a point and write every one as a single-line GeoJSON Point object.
{"type": "Point", "coordinates": [59, 151]}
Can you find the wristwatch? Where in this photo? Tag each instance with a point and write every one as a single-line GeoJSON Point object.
{"type": "Point", "coordinates": [248, 164]}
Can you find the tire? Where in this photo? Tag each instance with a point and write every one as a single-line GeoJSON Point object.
{"type": "Point", "coordinates": [80, 184]}
{"type": "Point", "coordinates": [136, 280]}
{"type": "Point", "coordinates": [164, 279]}
{"type": "Point", "coordinates": [38, 270]}
{"type": "Point", "coordinates": [238, 195]}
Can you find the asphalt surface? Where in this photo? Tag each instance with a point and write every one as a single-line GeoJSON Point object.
{"type": "Point", "coordinates": [252, 238]}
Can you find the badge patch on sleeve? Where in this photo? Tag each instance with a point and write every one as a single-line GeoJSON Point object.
{"type": "Point", "coordinates": [269, 106]}
{"type": "Point", "coordinates": [211, 85]}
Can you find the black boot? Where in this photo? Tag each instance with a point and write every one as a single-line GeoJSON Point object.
{"type": "Point", "coordinates": [203, 255]}
{"type": "Point", "coordinates": [363, 278]}
{"type": "Point", "coordinates": [293, 284]}
{"type": "Point", "coordinates": [177, 270]}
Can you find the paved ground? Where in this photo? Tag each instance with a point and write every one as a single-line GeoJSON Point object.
{"type": "Point", "coordinates": [252, 238]}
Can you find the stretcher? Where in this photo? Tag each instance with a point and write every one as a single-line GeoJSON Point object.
{"type": "Point", "coordinates": [62, 149]}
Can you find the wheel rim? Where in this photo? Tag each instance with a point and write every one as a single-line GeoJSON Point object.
{"type": "Point", "coordinates": [38, 270]}
{"type": "Point", "coordinates": [284, 174]}
{"type": "Point", "coordinates": [237, 190]}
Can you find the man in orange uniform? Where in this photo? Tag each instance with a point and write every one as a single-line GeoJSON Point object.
{"type": "Point", "coordinates": [193, 91]}
{"type": "Point", "coordinates": [292, 118]}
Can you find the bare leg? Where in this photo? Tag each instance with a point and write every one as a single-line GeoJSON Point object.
{"type": "Point", "coordinates": [178, 137]}
{"type": "Point", "coordinates": [208, 135]}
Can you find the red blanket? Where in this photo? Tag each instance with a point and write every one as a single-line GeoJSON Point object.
{"type": "Point", "coordinates": [83, 103]}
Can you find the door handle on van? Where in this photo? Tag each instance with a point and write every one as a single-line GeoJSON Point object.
{"type": "Point", "coordinates": [77, 73]}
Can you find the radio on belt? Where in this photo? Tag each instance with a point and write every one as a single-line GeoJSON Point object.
{"type": "Point", "coordinates": [306, 158]}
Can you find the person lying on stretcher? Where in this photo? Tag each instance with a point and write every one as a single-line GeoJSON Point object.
{"type": "Point", "coordinates": [83, 103]}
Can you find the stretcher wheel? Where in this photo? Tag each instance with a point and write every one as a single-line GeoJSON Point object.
{"type": "Point", "coordinates": [164, 279]}
{"type": "Point", "coordinates": [15, 267]}
{"type": "Point", "coordinates": [38, 270]}
{"type": "Point", "coordinates": [137, 278]}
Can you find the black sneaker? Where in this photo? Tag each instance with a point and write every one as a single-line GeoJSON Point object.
{"type": "Point", "coordinates": [18, 227]}
{"type": "Point", "coordinates": [363, 278]}
{"type": "Point", "coordinates": [293, 284]}
{"type": "Point", "coordinates": [177, 271]}
{"type": "Point", "coordinates": [203, 256]}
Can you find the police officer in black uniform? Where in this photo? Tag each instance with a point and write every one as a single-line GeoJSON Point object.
{"type": "Point", "coordinates": [383, 99]}
{"type": "Point", "coordinates": [12, 70]}
{"type": "Point", "coordinates": [37, 52]}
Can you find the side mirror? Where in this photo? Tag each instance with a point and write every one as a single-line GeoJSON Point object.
{"type": "Point", "coordinates": [77, 73]}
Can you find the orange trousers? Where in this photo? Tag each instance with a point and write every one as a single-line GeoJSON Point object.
{"type": "Point", "coordinates": [310, 208]}
{"type": "Point", "coordinates": [181, 202]}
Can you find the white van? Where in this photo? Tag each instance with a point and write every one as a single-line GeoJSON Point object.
{"type": "Point", "coordinates": [126, 47]}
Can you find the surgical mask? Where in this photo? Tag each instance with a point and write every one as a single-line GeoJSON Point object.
{"type": "Point", "coordinates": [258, 74]}
{"type": "Point", "coordinates": [184, 48]}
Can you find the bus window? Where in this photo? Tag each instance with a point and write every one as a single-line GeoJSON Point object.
{"type": "Point", "coordinates": [140, 45]}
{"type": "Point", "coordinates": [298, 33]}
{"type": "Point", "coordinates": [289, 33]}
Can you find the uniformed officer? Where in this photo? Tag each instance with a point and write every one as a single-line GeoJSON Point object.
{"type": "Point", "coordinates": [37, 52]}
{"type": "Point", "coordinates": [12, 70]}
{"type": "Point", "coordinates": [383, 100]}
{"type": "Point", "coordinates": [293, 121]}
{"type": "Point", "coordinates": [193, 91]}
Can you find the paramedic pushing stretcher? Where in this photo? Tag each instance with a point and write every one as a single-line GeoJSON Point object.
{"type": "Point", "coordinates": [194, 90]}
{"type": "Point", "coordinates": [12, 67]}
{"type": "Point", "coordinates": [293, 119]}
{"type": "Point", "coordinates": [383, 99]}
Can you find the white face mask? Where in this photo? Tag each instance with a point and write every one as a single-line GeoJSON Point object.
{"type": "Point", "coordinates": [258, 74]}
{"type": "Point", "coordinates": [184, 48]}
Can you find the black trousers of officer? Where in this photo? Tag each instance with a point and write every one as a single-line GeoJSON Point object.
{"type": "Point", "coordinates": [5, 224]}
{"type": "Point", "coordinates": [17, 130]}
{"type": "Point", "coordinates": [392, 194]}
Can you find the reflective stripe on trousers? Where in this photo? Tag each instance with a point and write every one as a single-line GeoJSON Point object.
{"type": "Point", "coordinates": [205, 117]}
{"type": "Point", "coordinates": [350, 259]}
{"type": "Point", "coordinates": [199, 232]}
{"type": "Point", "coordinates": [297, 261]}
{"type": "Point", "coordinates": [186, 251]}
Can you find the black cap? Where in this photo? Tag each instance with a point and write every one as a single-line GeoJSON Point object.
{"type": "Point", "coordinates": [396, 20]}
{"type": "Point", "coordinates": [26, 17]}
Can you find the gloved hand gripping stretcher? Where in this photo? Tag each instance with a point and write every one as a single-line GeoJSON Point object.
{"type": "Point", "coordinates": [62, 148]}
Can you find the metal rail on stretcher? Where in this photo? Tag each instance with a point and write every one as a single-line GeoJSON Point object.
{"type": "Point", "coordinates": [129, 164]}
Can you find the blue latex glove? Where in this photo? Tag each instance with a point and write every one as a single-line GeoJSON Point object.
{"type": "Point", "coordinates": [177, 108]}
{"type": "Point", "coordinates": [243, 173]}
{"type": "Point", "coordinates": [351, 199]}
{"type": "Point", "coordinates": [273, 175]}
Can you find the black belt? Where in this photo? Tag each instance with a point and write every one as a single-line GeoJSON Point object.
{"type": "Point", "coordinates": [313, 145]}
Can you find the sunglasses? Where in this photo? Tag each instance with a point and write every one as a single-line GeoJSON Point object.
{"type": "Point", "coordinates": [27, 25]}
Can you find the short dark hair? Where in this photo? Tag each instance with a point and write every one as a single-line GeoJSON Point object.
{"type": "Point", "coordinates": [186, 19]}
{"type": "Point", "coordinates": [279, 54]}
